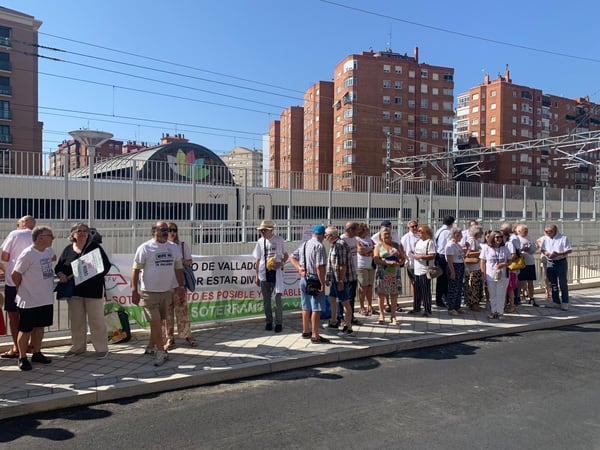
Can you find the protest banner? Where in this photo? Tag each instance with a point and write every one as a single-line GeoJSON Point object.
{"type": "Point", "coordinates": [225, 288]}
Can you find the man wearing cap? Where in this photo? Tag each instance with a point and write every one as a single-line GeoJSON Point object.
{"type": "Point", "coordinates": [385, 224]}
{"type": "Point", "coordinates": [310, 259]}
{"type": "Point", "coordinates": [270, 256]}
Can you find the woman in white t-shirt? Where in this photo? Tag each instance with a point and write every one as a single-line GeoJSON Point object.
{"type": "Point", "coordinates": [366, 269]}
{"type": "Point", "coordinates": [455, 256]}
{"type": "Point", "coordinates": [494, 259]}
{"type": "Point", "coordinates": [424, 257]}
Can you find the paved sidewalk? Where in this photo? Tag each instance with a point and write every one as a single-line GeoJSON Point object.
{"type": "Point", "coordinates": [245, 349]}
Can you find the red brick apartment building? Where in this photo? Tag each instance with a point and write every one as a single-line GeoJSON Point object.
{"type": "Point", "coordinates": [20, 130]}
{"type": "Point", "coordinates": [500, 112]}
{"type": "Point", "coordinates": [377, 100]}
{"type": "Point", "coordinates": [291, 126]}
{"type": "Point", "coordinates": [274, 146]}
{"type": "Point", "coordinates": [318, 135]}
{"type": "Point", "coordinates": [78, 155]}
{"type": "Point", "coordinates": [386, 99]}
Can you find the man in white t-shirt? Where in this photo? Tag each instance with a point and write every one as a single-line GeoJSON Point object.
{"type": "Point", "coordinates": [157, 269]}
{"type": "Point", "coordinates": [270, 255]}
{"type": "Point", "coordinates": [16, 241]}
{"type": "Point", "coordinates": [34, 281]}
{"type": "Point", "coordinates": [409, 241]}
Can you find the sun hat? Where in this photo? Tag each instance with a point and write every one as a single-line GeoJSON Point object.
{"type": "Point", "coordinates": [266, 225]}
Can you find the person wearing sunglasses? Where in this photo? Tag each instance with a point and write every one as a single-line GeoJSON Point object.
{"type": "Point", "coordinates": [179, 306]}
{"type": "Point", "coordinates": [34, 280]}
{"type": "Point", "coordinates": [86, 305]}
{"type": "Point", "coordinates": [270, 256]}
{"type": "Point", "coordinates": [156, 265]}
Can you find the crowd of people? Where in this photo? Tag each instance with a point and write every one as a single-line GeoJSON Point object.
{"type": "Point", "coordinates": [470, 267]}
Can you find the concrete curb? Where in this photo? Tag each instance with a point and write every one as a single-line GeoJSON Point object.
{"type": "Point", "coordinates": [59, 398]}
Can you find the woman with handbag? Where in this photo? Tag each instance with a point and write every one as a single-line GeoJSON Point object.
{"type": "Point", "coordinates": [494, 259]}
{"type": "Point", "coordinates": [389, 257]}
{"type": "Point", "coordinates": [178, 306]}
{"type": "Point", "coordinates": [86, 305]}
{"type": "Point", "coordinates": [424, 256]}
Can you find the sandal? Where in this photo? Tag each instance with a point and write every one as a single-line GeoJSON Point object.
{"type": "Point", "coordinates": [381, 321]}
{"type": "Point", "coordinates": [369, 311]}
{"type": "Point", "coordinates": [191, 341]}
{"type": "Point", "coordinates": [10, 354]}
{"type": "Point", "coordinates": [394, 321]}
{"type": "Point", "coordinates": [363, 311]}
{"type": "Point", "coordinates": [170, 344]}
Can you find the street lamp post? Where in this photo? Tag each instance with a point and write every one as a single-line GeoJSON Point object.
{"type": "Point", "coordinates": [91, 139]}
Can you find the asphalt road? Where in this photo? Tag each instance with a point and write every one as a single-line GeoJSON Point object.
{"type": "Point", "coordinates": [538, 390]}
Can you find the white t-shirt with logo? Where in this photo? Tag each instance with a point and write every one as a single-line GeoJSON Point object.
{"type": "Point", "coordinates": [37, 278]}
{"type": "Point", "coordinates": [157, 262]}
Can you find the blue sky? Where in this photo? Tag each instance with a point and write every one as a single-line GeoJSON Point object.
{"type": "Point", "coordinates": [240, 62]}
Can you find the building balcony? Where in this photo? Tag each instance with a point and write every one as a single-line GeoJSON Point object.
{"type": "Point", "coordinates": [6, 138]}
{"type": "Point", "coordinates": [5, 90]}
{"type": "Point", "coordinates": [5, 115]}
{"type": "Point", "coordinates": [6, 66]}
{"type": "Point", "coordinates": [5, 42]}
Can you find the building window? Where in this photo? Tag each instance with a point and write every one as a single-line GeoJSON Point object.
{"type": "Point", "coordinates": [411, 74]}
{"type": "Point", "coordinates": [349, 128]}
{"type": "Point", "coordinates": [448, 77]}
{"type": "Point", "coordinates": [493, 132]}
{"type": "Point", "coordinates": [435, 91]}
{"type": "Point", "coordinates": [349, 159]}
{"type": "Point", "coordinates": [493, 119]}
{"type": "Point", "coordinates": [348, 113]}
{"type": "Point", "coordinates": [5, 110]}
{"type": "Point", "coordinates": [435, 135]}
{"type": "Point", "coordinates": [398, 100]}
{"type": "Point", "coordinates": [397, 84]}
{"type": "Point", "coordinates": [411, 104]}
{"type": "Point", "coordinates": [411, 88]}
{"type": "Point", "coordinates": [350, 65]}
{"type": "Point", "coordinates": [398, 69]}
{"type": "Point", "coordinates": [5, 61]}
{"type": "Point", "coordinates": [435, 76]}
{"type": "Point", "coordinates": [387, 68]}
{"type": "Point", "coordinates": [424, 73]}
{"type": "Point", "coordinates": [411, 133]}
{"type": "Point", "coordinates": [386, 115]}
{"type": "Point", "coordinates": [349, 82]}
{"type": "Point", "coordinates": [387, 84]}
{"type": "Point", "coordinates": [386, 100]}
{"type": "Point", "coordinates": [435, 106]}
{"type": "Point", "coordinates": [424, 103]}
{"type": "Point", "coordinates": [397, 131]}
{"type": "Point", "coordinates": [349, 143]}
{"type": "Point", "coordinates": [475, 97]}
{"type": "Point", "coordinates": [397, 115]}
{"type": "Point", "coordinates": [493, 106]}
{"type": "Point", "coordinates": [423, 133]}
{"type": "Point", "coordinates": [448, 91]}
{"type": "Point", "coordinates": [424, 89]}
{"type": "Point", "coordinates": [493, 93]}
{"type": "Point", "coordinates": [423, 118]}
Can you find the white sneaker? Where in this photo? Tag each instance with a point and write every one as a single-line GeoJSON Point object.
{"type": "Point", "coordinates": [160, 357]}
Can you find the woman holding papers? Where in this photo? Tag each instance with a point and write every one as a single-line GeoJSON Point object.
{"type": "Point", "coordinates": [86, 263]}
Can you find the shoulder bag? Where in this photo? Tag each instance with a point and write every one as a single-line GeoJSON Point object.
{"type": "Point", "coordinates": [189, 278]}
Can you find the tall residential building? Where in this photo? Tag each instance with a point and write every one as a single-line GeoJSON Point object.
{"type": "Point", "coordinates": [274, 151]}
{"type": "Point", "coordinates": [500, 112]}
{"type": "Point", "coordinates": [318, 135]}
{"type": "Point", "coordinates": [291, 155]}
{"type": "Point", "coordinates": [388, 105]}
{"type": "Point", "coordinates": [20, 130]}
{"type": "Point", "coordinates": [245, 165]}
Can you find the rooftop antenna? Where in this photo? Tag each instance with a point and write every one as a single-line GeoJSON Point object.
{"type": "Point", "coordinates": [389, 43]}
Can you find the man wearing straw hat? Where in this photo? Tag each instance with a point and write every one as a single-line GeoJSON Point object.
{"type": "Point", "coordinates": [270, 257]}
